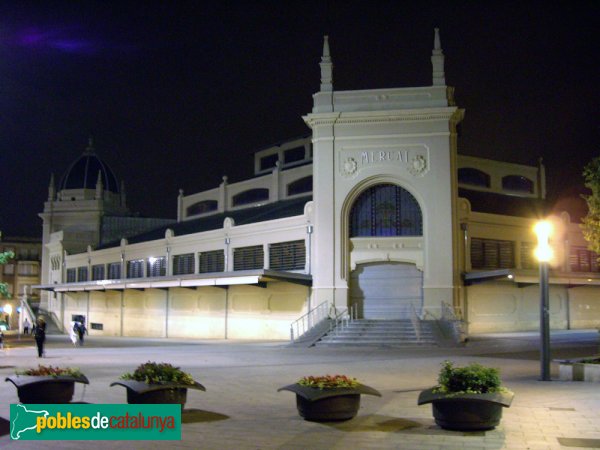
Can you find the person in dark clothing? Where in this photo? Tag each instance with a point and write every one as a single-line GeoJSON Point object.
{"type": "Point", "coordinates": [81, 330]}
{"type": "Point", "coordinates": [40, 336]}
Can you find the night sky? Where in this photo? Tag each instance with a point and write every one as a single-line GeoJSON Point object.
{"type": "Point", "coordinates": [178, 94]}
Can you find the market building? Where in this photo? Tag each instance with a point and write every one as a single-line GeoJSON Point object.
{"type": "Point", "coordinates": [373, 214]}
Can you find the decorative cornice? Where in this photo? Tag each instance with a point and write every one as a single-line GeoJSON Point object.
{"type": "Point", "coordinates": [449, 113]}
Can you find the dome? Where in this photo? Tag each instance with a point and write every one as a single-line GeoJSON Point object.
{"type": "Point", "coordinates": [83, 173]}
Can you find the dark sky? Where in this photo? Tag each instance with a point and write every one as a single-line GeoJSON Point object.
{"type": "Point", "coordinates": [178, 94]}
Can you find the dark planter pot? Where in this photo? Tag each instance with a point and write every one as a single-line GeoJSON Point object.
{"type": "Point", "coordinates": [323, 405]}
{"type": "Point", "coordinates": [140, 392]}
{"type": "Point", "coordinates": [45, 389]}
{"type": "Point", "coordinates": [466, 412]}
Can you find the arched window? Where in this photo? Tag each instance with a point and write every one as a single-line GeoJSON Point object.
{"type": "Point", "coordinates": [251, 196]}
{"type": "Point", "coordinates": [517, 183]}
{"type": "Point", "coordinates": [474, 177]}
{"type": "Point", "coordinates": [300, 186]}
{"type": "Point", "coordinates": [202, 207]}
{"type": "Point", "coordinates": [386, 210]}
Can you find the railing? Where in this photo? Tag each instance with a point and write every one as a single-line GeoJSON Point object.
{"type": "Point", "coordinates": [450, 321]}
{"type": "Point", "coordinates": [416, 321]}
{"type": "Point", "coordinates": [57, 321]}
{"type": "Point", "coordinates": [341, 320]}
{"type": "Point", "coordinates": [28, 312]}
{"type": "Point", "coordinates": [307, 321]}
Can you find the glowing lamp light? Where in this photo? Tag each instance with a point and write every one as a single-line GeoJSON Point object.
{"type": "Point", "coordinates": [152, 260]}
{"type": "Point", "coordinates": [543, 231]}
{"type": "Point", "coordinates": [8, 309]}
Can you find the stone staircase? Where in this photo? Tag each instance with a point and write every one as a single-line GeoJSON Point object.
{"type": "Point", "coordinates": [384, 333]}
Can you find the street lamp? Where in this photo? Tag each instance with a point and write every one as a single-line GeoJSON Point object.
{"type": "Point", "coordinates": [544, 254]}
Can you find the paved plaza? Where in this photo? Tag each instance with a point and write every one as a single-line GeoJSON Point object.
{"type": "Point", "coordinates": [242, 409]}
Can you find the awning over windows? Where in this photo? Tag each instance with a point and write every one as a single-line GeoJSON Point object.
{"type": "Point", "coordinates": [532, 277]}
{"type": "Point", "coordinates": [219, 279]}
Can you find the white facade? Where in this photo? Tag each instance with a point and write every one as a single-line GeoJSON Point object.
{"type": "Point", "coordinates": [368, 211]}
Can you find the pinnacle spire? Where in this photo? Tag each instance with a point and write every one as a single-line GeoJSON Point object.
{"type": "Point", "coordinates": [51, 188]}
{"type": "Point", "coordinates": [99, 186]}
{"type": "Point", "coordinates": [90, 147]}
{"type": "Point", "coordinates": [326, 68]}
{"type": "Point", "coordinates": [437, 60]}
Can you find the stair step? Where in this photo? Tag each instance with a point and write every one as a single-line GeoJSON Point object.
{"type": "Point", "coordinates": [369, 332]}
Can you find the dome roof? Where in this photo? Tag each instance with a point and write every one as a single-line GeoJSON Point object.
{"type": "Point", "coordinates": [83, 173]}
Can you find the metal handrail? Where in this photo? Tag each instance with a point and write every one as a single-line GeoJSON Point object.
{"type": "Point", "coordinates": [416, 321]}
{"type": "Point", "coordinates": [344, 318]}
{"type": "Point", "coordinates": [303, 324]}
{"type": "Point", "coordinates": [452, 322]}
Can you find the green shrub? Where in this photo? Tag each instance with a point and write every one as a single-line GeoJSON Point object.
{"type": "Point", "coordinates": [159, 373]}
{"type": "Point", "coordinates": [471, 379]}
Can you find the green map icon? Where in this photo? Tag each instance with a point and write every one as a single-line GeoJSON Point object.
{"type": "Point", "coordinates": [25, 419]}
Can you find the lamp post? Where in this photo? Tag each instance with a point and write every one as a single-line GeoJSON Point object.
{"type": "Point", "coordinates": [544, 254]}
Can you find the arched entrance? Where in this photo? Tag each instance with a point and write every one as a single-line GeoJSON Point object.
{"type": "Point", "coordinates": [384, 222]}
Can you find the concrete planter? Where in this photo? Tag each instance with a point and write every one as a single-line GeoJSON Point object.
{"type": "Point", "coordinates": [466, 412]}
{"type": "Point", "coordinates": [33, 389]}
{"type": "Point", "coordinates": [334, 404]}
{"type": "Point", "coordinates": [140, 392]}
{"type": "Point", "coordinates": [577, 370]}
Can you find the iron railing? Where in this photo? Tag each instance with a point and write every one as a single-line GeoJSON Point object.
{"type": "Point", "coordinates": [305, 323]}
{"type": "Point", "coordinates": [416, 321]}
{"type": "Point", "coordinates": [343, 318]}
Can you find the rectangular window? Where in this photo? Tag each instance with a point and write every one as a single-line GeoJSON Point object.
{"type": "Point", "coordinates": [114, 271]}
{"type": "Point", "coordinates": [71, 275]}
{"type": "Point", "coordinates": [247, 258]}
{"type": "Point", "coordinates": [293, 155]}
{"type": "Point", "coordinates": [184, 264]}
{"type": "Point", "coordinates": [528, 260]}
{"type": "Point", "coordinates": [287, 255]}
{"type": "Point", "coordinates": [268, 162]}
{"type": "Point", "coordinates": [28, 269]}
{"type": "Point", "coordinates": [157, 267]}
{"type": "Point", "coordinates": [213, 261]}
{"type": "Point", "coordinates": [135, 268]}
{"type": "Point", "coordinates": [82, 273]}
{"type": "Point", "coordinates": [492, 254]}
{"type": "Point", "coordinates": [9, 269]}
{"type": "Point", "coordinates": [98, 272]}
{"type": "Point", "coordinates": [583, 260]}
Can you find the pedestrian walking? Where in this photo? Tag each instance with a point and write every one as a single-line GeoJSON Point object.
{"type": "Point", "coordinates": [1, 340]}
{"type": "Point", "coordinates": [73, 333]}
{"type": "Point", "coordinates": [26, 326]}
{"type": "Point", "coordinates": [81, 330]}
{"type": "Point", "coordinates": [40, 336]}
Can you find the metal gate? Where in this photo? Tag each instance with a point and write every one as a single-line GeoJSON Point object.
{"type": "Point", "coordinates": [386, 291]}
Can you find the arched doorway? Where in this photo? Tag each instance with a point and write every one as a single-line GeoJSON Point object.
{"type": "Point", "coordinates": [385, 284]}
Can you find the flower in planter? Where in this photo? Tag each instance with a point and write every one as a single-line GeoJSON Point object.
{"type": "Point", "coordinates": [153, 382]}
{"type": "Point", "coordinates": [329, 382]}
{"type": "Point", "coordinates": [47, 384]}
{"type": "Point", "coordinates": [50, 371]}
{"type": "Point", "coordinates": [467, 398]}
{"type": "Point", "coordinates": [328, 397]}
{"type": "Point", "coordinates": [159, 373]}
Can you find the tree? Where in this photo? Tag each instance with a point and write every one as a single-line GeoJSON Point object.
{"type": "Point", "coordinates": [4, 257]}
{"type": "Point", "coordinates": [591, 222]}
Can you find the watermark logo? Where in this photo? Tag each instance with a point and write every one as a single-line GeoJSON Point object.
{"type": "Point", "coordinates": [95, 422]}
